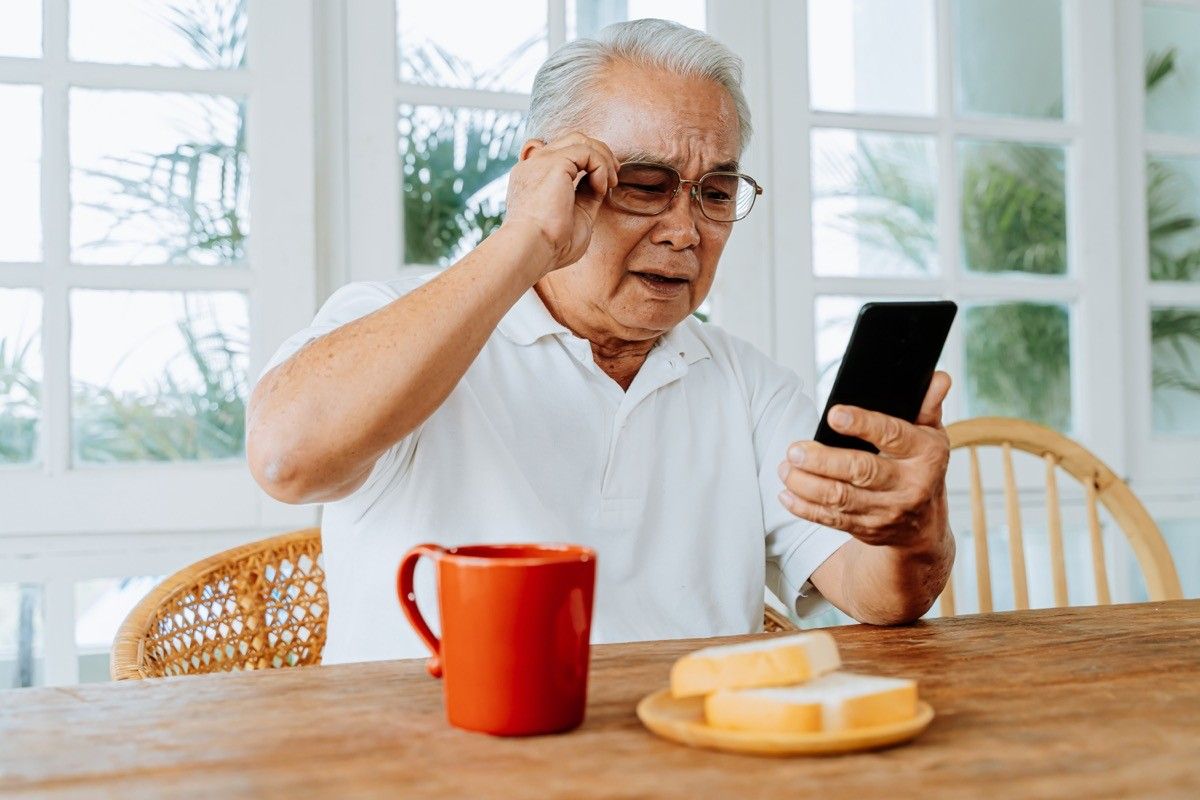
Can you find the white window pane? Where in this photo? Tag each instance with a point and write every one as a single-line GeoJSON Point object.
{"type": "Point", "coordinates": [1014, 207]}
{"type": "Point", "coordinates": [202, 34]}
{"type": "Point", "coordinates": [20, 166]}
{"type": "Point", "coordinates": [158, 376]}
{"type": "Point", "coordinates": [1171, 43]}
{"type": "Point", "coordinates": [1018, 362]}
{"type": "Point", "coordinates": [20, 635]}
{"type": "Point", "coordinates": [585, 18]}
{"type": "Point", "coordinates": [872, 56]}
{"type": "Point", "coordinates": [496, 46]}
{"type": "Point", "coordinates": [21, 33]}
{"type": "Point", "coordinates": [158, 178]}
{"type": "Point", "coordinates": [1173, 218]}
{"type": "Point", "coordinates": [20, 375]}
{"type": "Point", "coordinates": [1175, 357]}
{"type": "Point", "coordinates": [455, 166]}
{"type": "Point", "coordinates": [101, 605]}
{"type": "Point", "coordinates": [1183, 539]}
{"type": "Point", "coordinates": [1009, 57]}
{"type": "Point", "coordinates": [874, 202]}
{"type": "Point", "coordinates": [834, 320]}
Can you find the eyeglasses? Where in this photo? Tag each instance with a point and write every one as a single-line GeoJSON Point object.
{"type": "Point", "coordinates": [649, 189]}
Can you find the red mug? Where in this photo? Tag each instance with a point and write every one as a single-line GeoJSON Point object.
{"type": "Point", "coordinates": [516, 621]}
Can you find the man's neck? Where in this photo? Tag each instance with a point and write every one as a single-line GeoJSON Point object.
{"type": "Point", "coordinates": [620, 359]}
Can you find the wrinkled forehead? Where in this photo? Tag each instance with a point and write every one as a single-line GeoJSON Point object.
{"type": "Point", "coordinates": [690, 124]}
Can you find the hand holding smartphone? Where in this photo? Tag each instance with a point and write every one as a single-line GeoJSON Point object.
{"type": "Point", "coordinates": [889, 362]}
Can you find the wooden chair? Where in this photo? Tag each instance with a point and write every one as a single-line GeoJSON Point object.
{"type": "Point", "coordinates": [259, 606]}
{"type": "Point", "coordinates": [1100, 484]}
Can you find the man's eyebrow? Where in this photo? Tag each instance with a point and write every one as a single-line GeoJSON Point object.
{"type": "Point", "coordinates": [650, 158]}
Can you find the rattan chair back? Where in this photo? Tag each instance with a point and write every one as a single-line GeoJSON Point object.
{"type": "Point", "coordinates": [1100, 485]}
{"type": "Point", "coordinates": [259, 606]}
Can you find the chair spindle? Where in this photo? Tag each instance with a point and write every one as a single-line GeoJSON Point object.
{"type": "Point", "coordinates": [983, 574]}
{"type": "Point", "coordinates": [1016, 544]}
{"type": "Point", "coordinates": [1093, 518]}
{"type": "Point", "coordinates": [1058, 564]}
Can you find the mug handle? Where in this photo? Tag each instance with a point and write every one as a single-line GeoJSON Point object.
{"type": "Point", "coordinates": [408, 602]}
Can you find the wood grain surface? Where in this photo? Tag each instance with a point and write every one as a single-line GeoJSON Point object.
{"type": "Point", "coordinates": [1081, 702]}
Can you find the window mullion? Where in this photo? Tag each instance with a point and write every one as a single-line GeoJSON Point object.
{"type": "Point", "coordinates": [1134, 242]}
{"type": "Point", "coordinates": [948, 210]}
{"type": "Point", "coordinates": [1094, 232]}
{"type": "Point", "coordinates": [791, 204]}
{"type": "Point", "coordinates": [421, 95]}
{"type": "Point", "coordinates": [61, 662]}
{"type": "Point", "coordinates": [56, 211]}
{"type": "Point", "coordinates": [556, 23]}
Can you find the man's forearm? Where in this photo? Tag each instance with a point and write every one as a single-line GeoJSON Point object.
{"type": "Point", "coordinates": [317, 423]}
{"type": "Point", "coordinates": [884, 585]}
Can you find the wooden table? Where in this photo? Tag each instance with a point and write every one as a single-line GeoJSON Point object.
{"type": "Point", "coordinates": [1094, 702]}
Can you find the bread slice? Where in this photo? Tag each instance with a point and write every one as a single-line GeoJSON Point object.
{"type": "Point", "coordinates": [774, 662]}
{"type": "Point", "coordinates": [836, 702]}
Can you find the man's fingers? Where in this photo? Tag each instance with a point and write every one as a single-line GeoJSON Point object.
{"type": "Point", "coordinates": [828, 493]}
{"type": "Point", "coordinates": [865, 527]}
{"type": "Point", "coordinates": [865, 470]}
{"type": "Point", "coordinates": [893, 436]}
{"type": "Point", "coordinates": [591, 156]}
{"type": "Point", "coordinates": [931, 407]}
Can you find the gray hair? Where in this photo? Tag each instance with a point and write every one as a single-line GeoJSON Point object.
{"type": "Point", "coordinates": [563, 96]}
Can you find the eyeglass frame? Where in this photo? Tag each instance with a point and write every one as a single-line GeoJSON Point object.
{"type": "Point", "coordinates": [693, 192]}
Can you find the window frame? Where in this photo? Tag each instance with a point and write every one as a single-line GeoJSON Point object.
{"type": "Point", "coordinates": [153, 518]}
{"type": "Point", "coordinates": [1170, 465]}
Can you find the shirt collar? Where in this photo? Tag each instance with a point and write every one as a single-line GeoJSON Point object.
{"type": "Point", "coordinates": [529, 320]}
{"type": "Point", "coordinates": [683, 340]}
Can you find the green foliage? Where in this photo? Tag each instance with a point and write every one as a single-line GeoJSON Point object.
{"type": "Point", "coordinates": [1176, 336]}
{"type": "Point", "coordinates": [214, 29]}
{"type": "Point", "coordinates": [1014, 209]}
{"type": "Point", "coordinates": [896, 212]}
{"type": "Point", "coordinates": [450, 157]}
{"type": "Point", "coordinates": [20, 399]}
{"type": "Point", "coordinates": [1017, 362]}
{"type": "Point", "coordinates": [172, 420]}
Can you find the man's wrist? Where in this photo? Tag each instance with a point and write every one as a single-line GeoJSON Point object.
{"type": "Point", "coordinates": [526, 240]}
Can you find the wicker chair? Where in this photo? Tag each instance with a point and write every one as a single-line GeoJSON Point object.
{"type": "Point", "coordinates": [1099, 482]}
{"type": "Point", "coordinates": [258, 606]}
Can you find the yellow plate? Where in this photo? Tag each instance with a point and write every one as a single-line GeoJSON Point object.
{"type": "Point", "coordinates": [682, 720]}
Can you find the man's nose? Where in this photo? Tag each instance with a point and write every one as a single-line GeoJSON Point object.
{"type": "Point", "coordinates": [677, 225]}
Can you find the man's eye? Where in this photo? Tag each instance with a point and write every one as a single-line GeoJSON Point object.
{"type": "Point", "coordinates": [717, 196]}
{"type": "Point", "coordinates": [648, 187]}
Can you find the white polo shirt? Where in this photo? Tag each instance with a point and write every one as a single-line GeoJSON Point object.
{"type": "Point", "coordinates": [672, 482]}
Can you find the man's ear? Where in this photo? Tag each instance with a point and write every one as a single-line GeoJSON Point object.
{"type": "Point", "coordinates": [529, 147]}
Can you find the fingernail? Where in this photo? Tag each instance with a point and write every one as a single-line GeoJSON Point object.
{"type": "Point", "coordinates": [796, 454]}
{"type": "Point", "coordinates": [783, 471]}
{"type": "Point", "coordinates": [786, 499]}
{"type": "Point", "coordinates": [839, 417]}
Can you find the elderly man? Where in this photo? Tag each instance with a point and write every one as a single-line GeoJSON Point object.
{"type": "Point", "coordinates": [553, 385]}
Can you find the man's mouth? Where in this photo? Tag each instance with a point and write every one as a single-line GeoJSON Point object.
{"type": "Point", "coordinates": [665, 280]}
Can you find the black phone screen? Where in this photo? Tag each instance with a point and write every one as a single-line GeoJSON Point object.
{"type": "Point", "coordinates": [893, 352]}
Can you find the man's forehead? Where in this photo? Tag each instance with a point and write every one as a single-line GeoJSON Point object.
{"type": "Point", "coordinates": [678, 163]}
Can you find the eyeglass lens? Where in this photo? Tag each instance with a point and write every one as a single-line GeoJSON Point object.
{"type": "Point", "coordinates": [648, 189]}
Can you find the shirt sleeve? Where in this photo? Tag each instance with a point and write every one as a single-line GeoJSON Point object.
{"type": "Point", "coordinates": [794, 547]}
{"type": "Point", "coordinates": [347, 304]}
{"type": "Point", "coordinates": [351, 302]}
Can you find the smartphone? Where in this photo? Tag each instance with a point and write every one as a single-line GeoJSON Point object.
{"type": "Point", "coordinates": [893, 352]}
